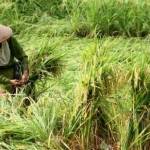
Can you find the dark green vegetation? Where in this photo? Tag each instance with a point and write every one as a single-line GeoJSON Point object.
{"type": "Point", "coordinates": [91, 92]}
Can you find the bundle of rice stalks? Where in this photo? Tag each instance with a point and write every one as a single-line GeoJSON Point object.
{"type": "Point", "coordinates": [47, 62]}
{"type": "Point", "coordinates": [104, 95]}
{"type": "Point", "coordinates": [36, 127]}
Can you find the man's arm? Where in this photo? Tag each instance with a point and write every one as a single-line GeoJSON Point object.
{"type": "Point", "coordinates": [19, 53]}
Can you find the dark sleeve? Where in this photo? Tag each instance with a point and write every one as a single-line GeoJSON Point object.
{"type": "Point", "coordinates": [4, 80]}
{"type": "Point", "coordinates": [18, 52]}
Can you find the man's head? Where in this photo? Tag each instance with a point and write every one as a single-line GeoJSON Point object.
{"type": "Point", "coordinates": [5, 33]}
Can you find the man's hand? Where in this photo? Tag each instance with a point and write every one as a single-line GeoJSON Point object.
{"type": "Point", "coordinates": [14, 82]}
{"type": "Point", "coordinates": [25, 77]}
{"type": "Point", "coordinates": [24, 80]}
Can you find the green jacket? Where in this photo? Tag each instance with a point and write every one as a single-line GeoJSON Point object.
{"type": "Point", "coordinates": [16, 53]}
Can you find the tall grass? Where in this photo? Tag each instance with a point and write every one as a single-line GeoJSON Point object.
{"type": "Point", "coordinates": [32, 15]}
{"type": "Point", "coordinates": [130, 18]}
{"type": "Point", "coordinates": [33, 7]}
{"type": "Point", "coordinates": [105, 104]}
{"type": "Point", "coordinates": [111, 17]}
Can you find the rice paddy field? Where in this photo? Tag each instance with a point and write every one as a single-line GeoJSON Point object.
{"type": "Point", "coordinates": [89, 86]}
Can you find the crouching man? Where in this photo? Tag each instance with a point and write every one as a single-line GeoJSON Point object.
{"type": "Point", "coordinates": [14, 70]}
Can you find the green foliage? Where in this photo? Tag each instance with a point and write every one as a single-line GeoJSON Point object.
{"type": "Point", "coordinates": [101, 98]}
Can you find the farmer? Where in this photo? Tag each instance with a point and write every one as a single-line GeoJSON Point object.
{"type": "Point", "coordinates": [11, 55]}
